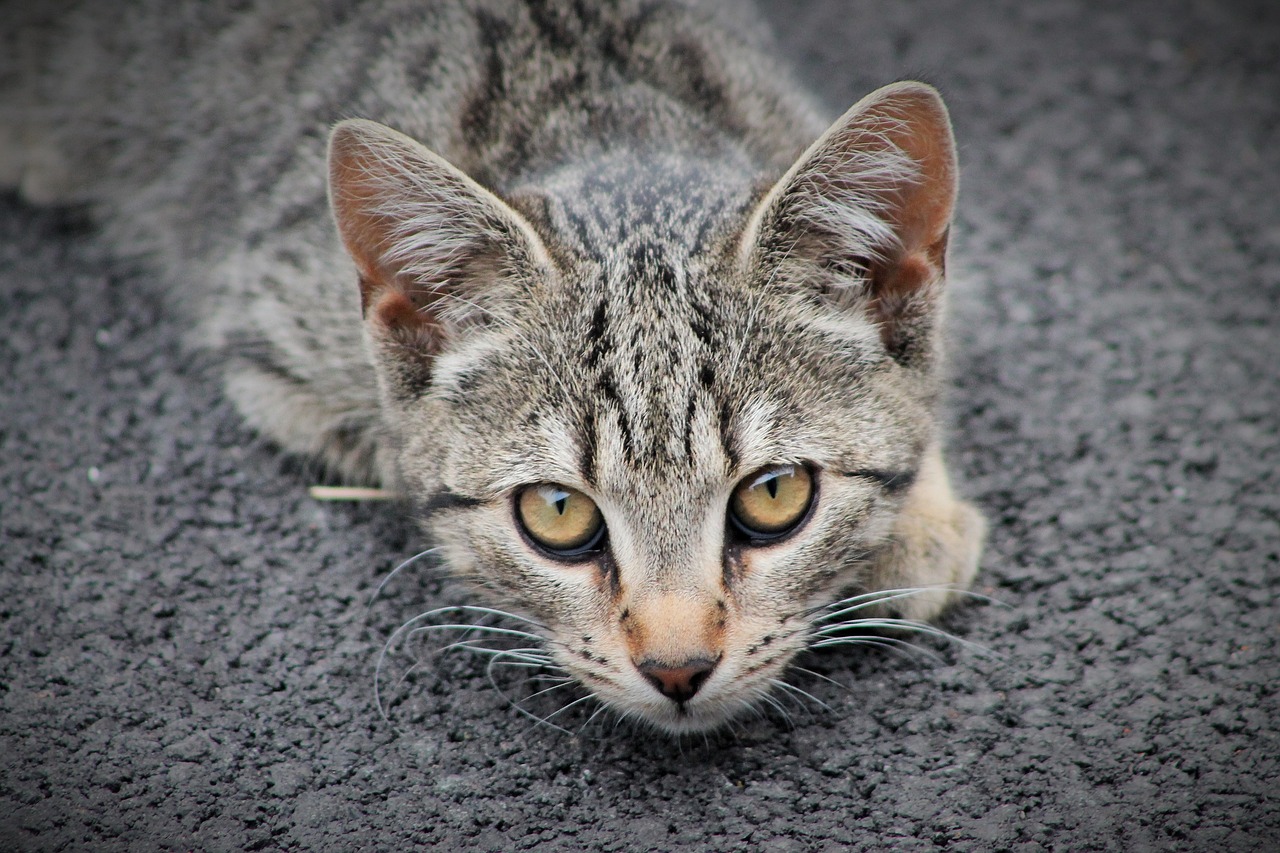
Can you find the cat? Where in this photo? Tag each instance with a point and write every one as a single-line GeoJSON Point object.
{"type": "Point", "coordinates": [655, 352]}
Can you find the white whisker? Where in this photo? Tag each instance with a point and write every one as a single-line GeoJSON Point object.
{"type": "Point", "coordinates": [382, 658]}
{"type": "Point", "coordinates": [534, 665]}
{"type": "Point", "coordinates": [562, 709]}
{"type": "Point", "coordinates": [892, 644]}
{"type": "Point", "coordinates": [493, 682]}
{"type": "Point", "coordinates": [597, 712]}
{"type": "Point", "coordinates": [487, 611]}
{"type": "Point", "coordinates": [491, 611]}
{"type": "Point", "coordinates": [778, 706]}
{"type": "Point", "coordinates": [907, 625]}
{"type": "Point", "coordinates": [409, 562]}
{"type": "Point", "coordinates": [869, 599]}
{"type": "Point", "coordinates": [825, 678]}
{"type": "Point", "coordinates": [531, 656]}
{"type": "Point", "coordinates": [483, 629]}
{"type": "Point", "coordinates": [866, 599]}
{"type": "Point", "coordinates": [547, 690]}
{"type": "Point", "coordinates": [472, 636]}
{"type": "Point", "coordinates": [791, 688]}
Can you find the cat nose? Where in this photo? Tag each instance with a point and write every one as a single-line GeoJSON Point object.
{"type": "Point", "coordinates": [678, 683]}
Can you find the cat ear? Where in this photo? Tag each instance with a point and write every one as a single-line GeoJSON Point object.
{"type": "Point", "coordinates": [432, 247]}
{"type": "Point", "coordinates": [863, 216]}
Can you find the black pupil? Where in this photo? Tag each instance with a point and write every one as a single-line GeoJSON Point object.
{"type": "Point", "coordinates": [772, 485]}
{"type": "Point", "coordinates": [561, 503]}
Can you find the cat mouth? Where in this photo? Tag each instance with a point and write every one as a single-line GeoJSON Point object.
{"type": "Point", "coordinates": [726, 694]}
{"type": "Point", "coordinates": [709, 714]}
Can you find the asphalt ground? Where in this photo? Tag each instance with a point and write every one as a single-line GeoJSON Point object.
{"type": "Point", "coordinates": [188, 653]}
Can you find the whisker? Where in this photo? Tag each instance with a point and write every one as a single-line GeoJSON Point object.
{"type": "Point", "coordinates": [778, 682]}
{"type": "Point", "coordinates": [909, 626]}
{"type": "Point", "coordinates": [534, 665]}
{"type": "Point", "coordinates": [753, 708]}
{"type": "Point", "coordinates": [546, 690]}
{"type": "Point", "coordinates": [561, 674]}
{"type": "Point", "coordinates": [597, 712]}
{"type": "Point", "coordinates": [413, 627]}
{"type": "Point", "coordinates": [531, 655]}
{"type": "Point", "coordinates": [409, 562]}
{"type": "Point", "coordinates": [382, 659]}
{"type": "Point", "coordinates": [778, 706]}
{"type": "Point", "coordinates": [820, 675]}
{"type": "Point", "coordinates": [791, 698]}
{"type": "Point", "coordinates": [879, 598]}
{"type": "Point", "coordinates": [489, 611]}
{"type": "Point", "coordinates": [869, 599]}
{"type": "Point", "coordinates": [493, 682]}
{"type": "Point", "coordinates": [866, 599]}
{"type": "Point", "coordinates": [904, 648]}
{"type": "Point", "coordinates": [564, 708]}
{"type": "Point", "coordinates": [487, 629]}
{"type": "Point", "coordinates": [405, 677]}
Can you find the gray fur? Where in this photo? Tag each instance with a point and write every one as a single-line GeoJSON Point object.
{"type": "Point", "coordinates": [624, 276]}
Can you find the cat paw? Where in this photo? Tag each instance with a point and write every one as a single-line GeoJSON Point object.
{"type": "Point", "coordinates": [935, 546]}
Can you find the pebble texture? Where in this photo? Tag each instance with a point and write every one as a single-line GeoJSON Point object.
{"type": "Point", "coordinates": [187, 655]}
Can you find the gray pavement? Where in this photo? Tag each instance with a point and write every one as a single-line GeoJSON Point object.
{"type": "Point", "coordinates": [187, 655]}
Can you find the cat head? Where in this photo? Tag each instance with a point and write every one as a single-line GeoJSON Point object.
{"type": "Point", "coordinates": [661, 408]}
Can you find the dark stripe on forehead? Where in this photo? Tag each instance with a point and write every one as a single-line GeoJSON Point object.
{"type": "Point", "coordinates": [728, 438]}
{"type": "Point", "coordinates": [691, 411]}
{"type": "Point", "coordinates": [598, 343]}
{"type": "Point", "coordinates": [599, 321]}
{"type": "Point", "coordinates": [649, 263]}
{"type": "Point", "coordinates": [701, 322]}
{"type": "Point", "coordinates": [587, 455]}
{"type": "Point", "coordinates": [610, 396]}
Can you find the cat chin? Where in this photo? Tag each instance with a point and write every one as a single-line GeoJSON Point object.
{"type": "Point", "coordinates": [714, 708]}
{"type": "Point", "coordinates": [691, 718]}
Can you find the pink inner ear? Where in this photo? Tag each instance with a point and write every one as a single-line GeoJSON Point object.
{"type": "Point", "coordinates": [912, 117]}
{"type": "Point", "coordinates": [365, 234]}
{"type": "Point", "coordinates": [418, 231]}
{"type": "Point", "coordinates": [894, 151]}
{"type": "Point", "coordinates": [388, 302]}
{"type": "Point", "coordinates": [903, 300]}
{"type": "Point", "coordinates": [905, 277]}
{"type": "Point", "coordinates": [394, 317]}
{"type": "Point", "coordinates": [392, 310]}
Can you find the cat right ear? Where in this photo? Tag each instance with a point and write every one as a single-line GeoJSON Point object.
{"type": "Point", "coordinates": [432, 247]}
{"type": "Point", "coordinates": [861, 220]}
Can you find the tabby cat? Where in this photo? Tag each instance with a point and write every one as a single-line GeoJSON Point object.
{"type": "Point", "coordinates": [659, 371]}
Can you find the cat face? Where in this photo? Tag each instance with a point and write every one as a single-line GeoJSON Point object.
{"type": "Point", "coordinates": [668, 443]}
{"type": "Point", "coordinates": [662, 498]}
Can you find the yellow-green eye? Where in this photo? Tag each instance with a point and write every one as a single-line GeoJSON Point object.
{"type": "Point", "coordinates": [562, 520]}
{"type": "Point", "coordinates": [771, 502]}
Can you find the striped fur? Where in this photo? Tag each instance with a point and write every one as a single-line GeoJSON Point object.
{"type": "Point", "coordinates": [592, 244]}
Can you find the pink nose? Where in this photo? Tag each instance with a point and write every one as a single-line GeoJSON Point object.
{"type": "Point", "coordinates": [677, 683]}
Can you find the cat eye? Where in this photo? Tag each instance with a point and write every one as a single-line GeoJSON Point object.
{"type": "Point", "coordinates": [561, 521]}
{"type": "Point", "coordinates": [771, 502]}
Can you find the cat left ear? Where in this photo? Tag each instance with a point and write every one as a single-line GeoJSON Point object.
{"type": "Point", "coordinates": [863, 215]}
{"type": "Point", "coordinates": [420, 231]}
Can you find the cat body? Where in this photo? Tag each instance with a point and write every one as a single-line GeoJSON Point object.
{"type": "Point", "coordinates": [659, 370]}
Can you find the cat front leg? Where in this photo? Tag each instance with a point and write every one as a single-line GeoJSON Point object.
{"type": "Point", "coordinates": [935, 545]}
